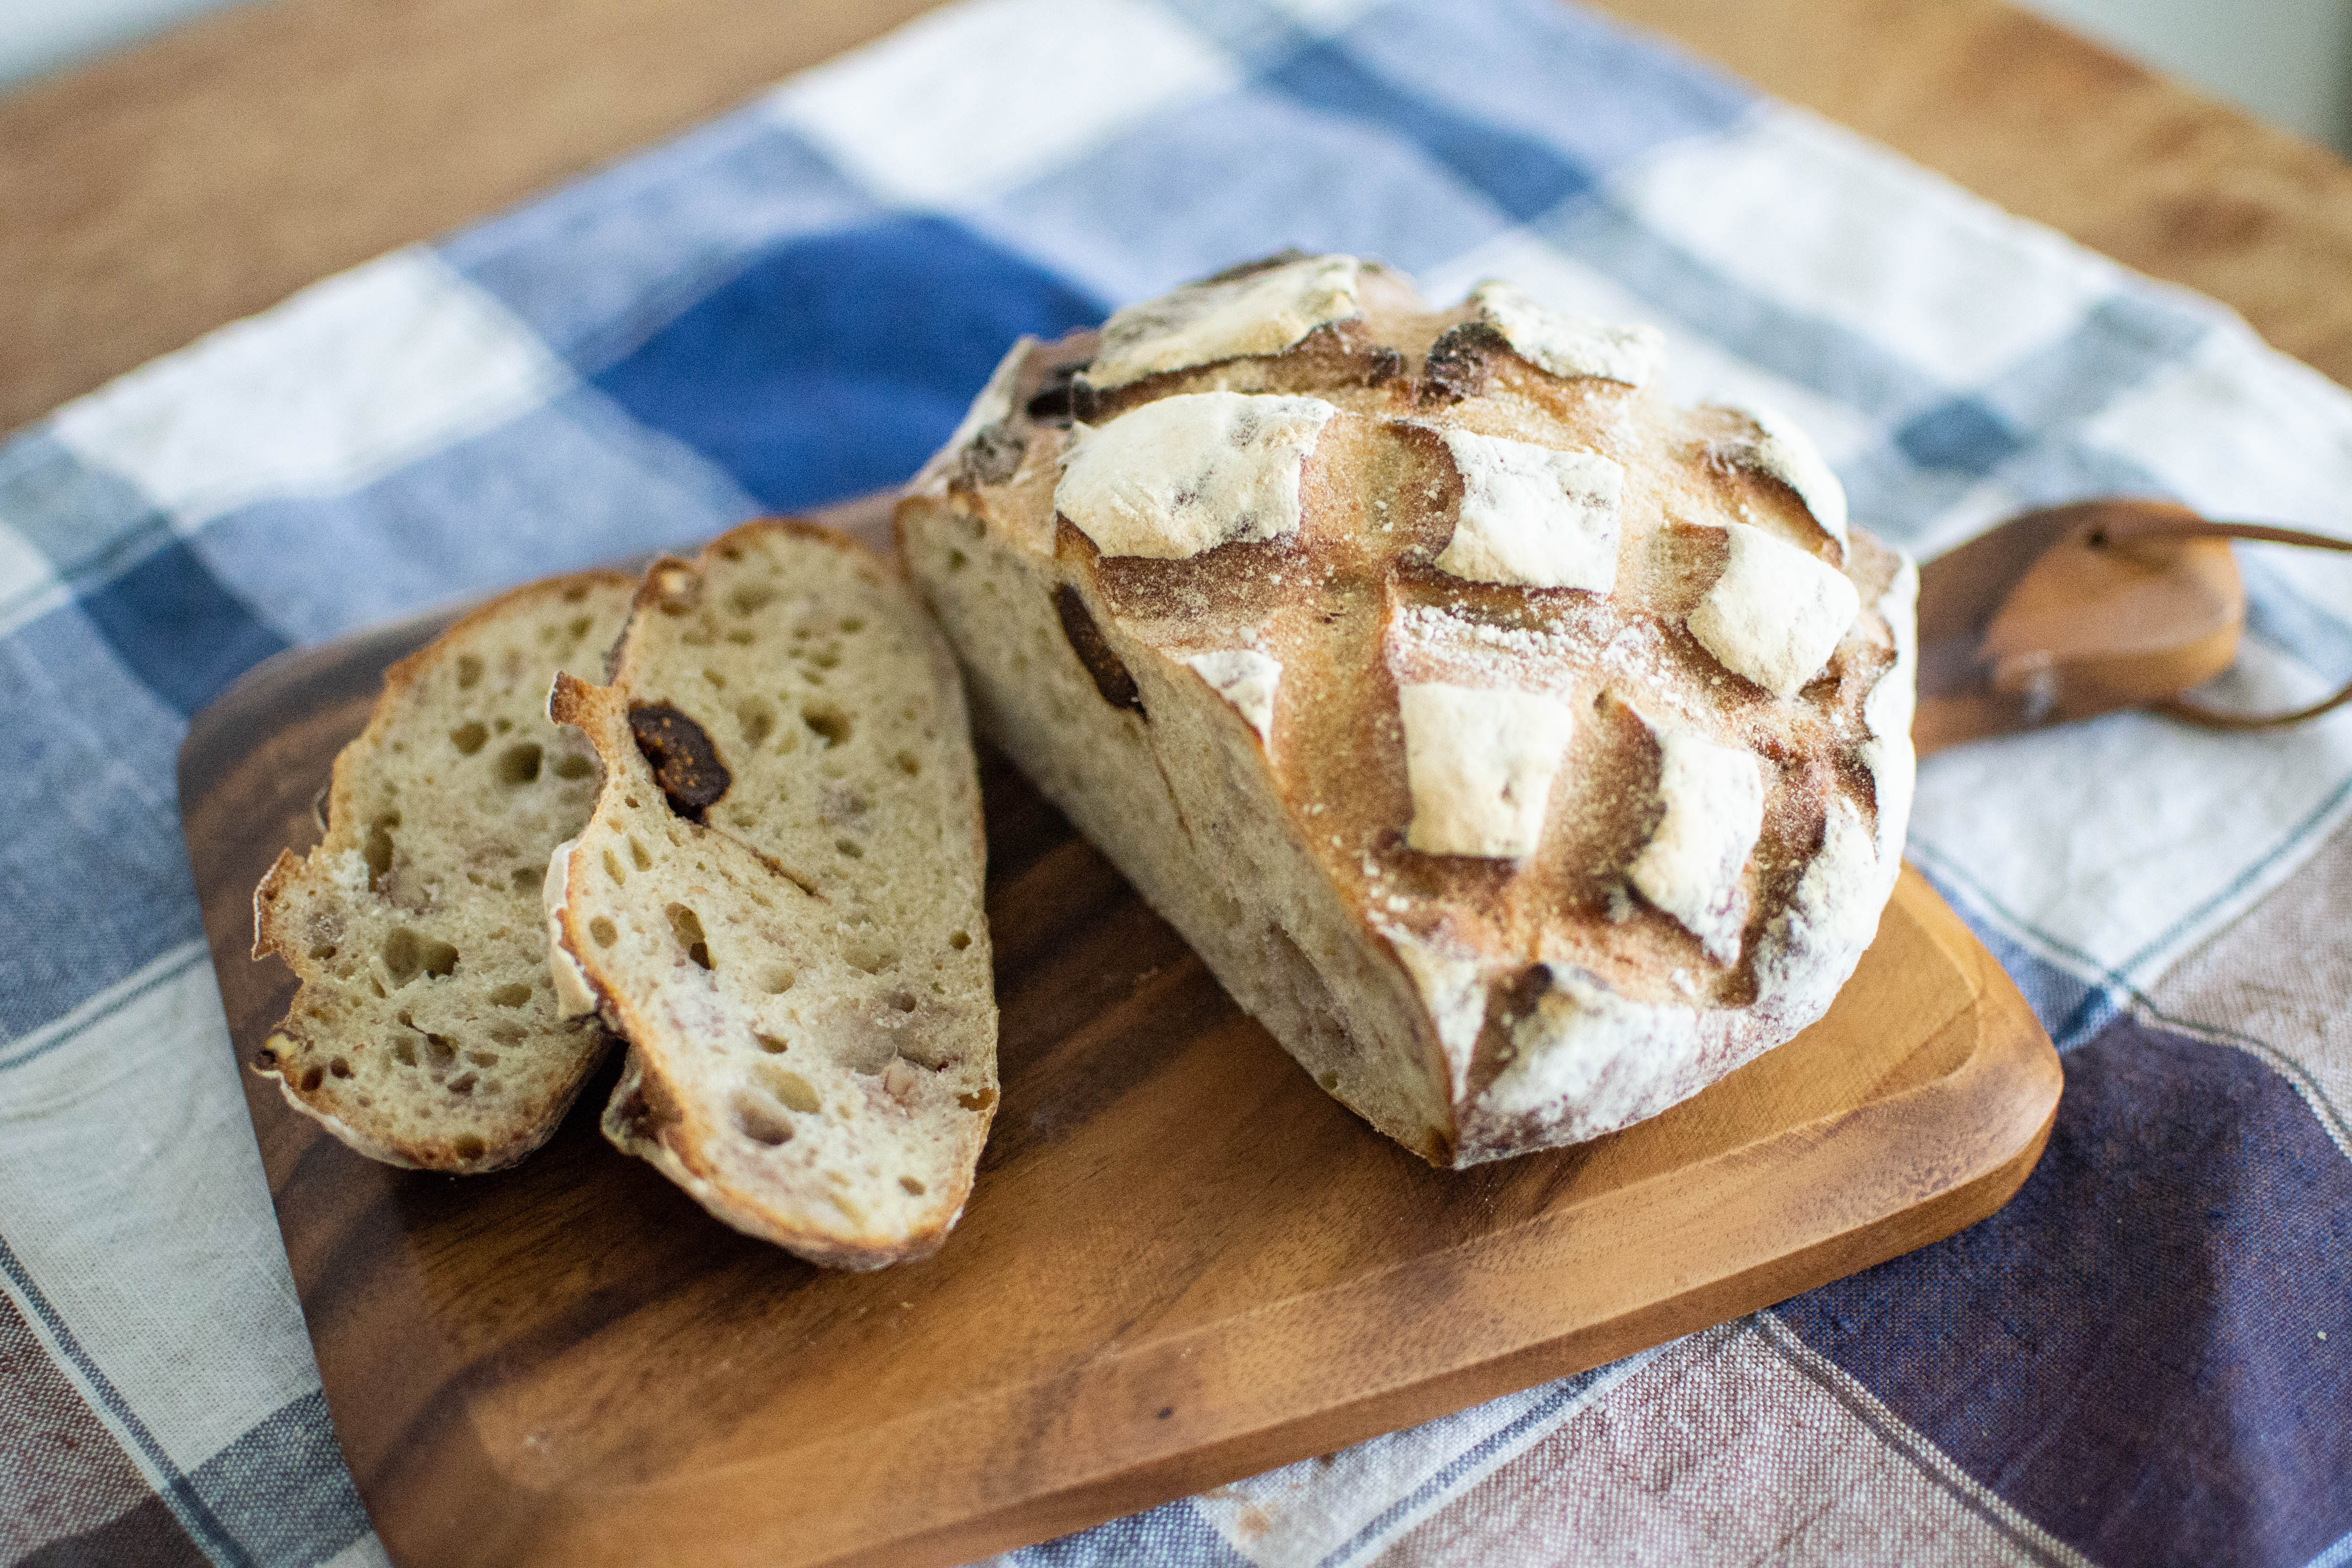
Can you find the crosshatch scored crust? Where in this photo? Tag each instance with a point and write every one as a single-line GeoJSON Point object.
{"type": "Point", "coordinates": [1581, 959]}
{"type": "Point", "coordinates": [426, 1032]}
{"type": "Point", "coordinates": [778, 898]}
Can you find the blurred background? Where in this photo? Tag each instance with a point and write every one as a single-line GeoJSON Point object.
{"type": "Point", "coordinates": [2288, 61]}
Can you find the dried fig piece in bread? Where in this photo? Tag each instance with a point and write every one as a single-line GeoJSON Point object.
{"type": "Point", "coordinates": [427, 1033]}
{"type": "Point", "coordinates": [1525, 751]}
{"type": "Point", "coordinates": [777, 900]}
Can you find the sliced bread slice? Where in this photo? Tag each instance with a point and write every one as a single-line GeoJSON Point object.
{"type": "Point", "coordinates": [425, 1033]}
{"type": "Point", "coordinates": [778, 902]}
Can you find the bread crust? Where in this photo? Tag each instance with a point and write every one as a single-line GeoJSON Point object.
{"type": "Point", "coordinates": [668, 1108]}
{"type": "Point", "coordinates": [322, 1057]}
{"type": "Point", "coordinates": [1472, 1006]}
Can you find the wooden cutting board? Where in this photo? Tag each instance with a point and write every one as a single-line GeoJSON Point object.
{"type": "Point", "coordinates": [1182, 1262]}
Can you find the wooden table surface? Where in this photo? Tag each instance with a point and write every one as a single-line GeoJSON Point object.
{"type": "Point", "coordinates": [203, 176]}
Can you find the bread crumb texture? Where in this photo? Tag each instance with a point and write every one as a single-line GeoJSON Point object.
{"type": "Point", "coordinates": [426, 1032]}
{"type": "Point", "coordinates": [1526, 750]}
{"type": "Point", "coordinates": [777, 899]}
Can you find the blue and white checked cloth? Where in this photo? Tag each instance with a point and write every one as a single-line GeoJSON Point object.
{"type": "Point", "coordinates": [2145, 1358]}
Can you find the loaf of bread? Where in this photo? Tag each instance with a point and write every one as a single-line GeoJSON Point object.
{"type": "Point", "coordinates": [777, 900]}
{"type": "Point", "coordinates": [425, 1033]}
{"type": "Point", "coordinates": [1527, 752]}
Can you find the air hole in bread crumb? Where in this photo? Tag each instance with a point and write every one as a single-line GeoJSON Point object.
{"type": "Point", "coordinates": [853, 623]}
{"type": "Point", "coordinates": [687, 927]}
{"type": "Point", "coordinates": [519, 764]}
{"type": "Point", "coordinates": [789, 1086]}
{"type": "Point", "coordinates": [760, 1121]}
{"type": "Point", "coordinates": [526, 878]}
{"type": "Point", "coordinates": [750, 597]}
{"type": "Point", "coordinates": [756, 719]}
{"type": "Point", "coordinates": [406, 954]}
{"type": "Point", "coordinates": [462, 1084]}
{"type": "Point", "coordinates": [637, 856]}
{"type": "Point", "coordinates": [739, 636]}
{"type": "Point", "coordinates": [601, 933]}
{"type": "Point", "coordinates": [912, 1185]}
{"type": "Point", "coordinates": [483, 1059]}
{"type": "Point", "coordinates": [828, 722]}
{"type": "Point", "coordinates": [471, 1147]}
{"type": "Point", "coordinates": [770, 1044]}
{"type": "Point", "coordinates": [902, 1001]}
{"type": "Point", "coordinates": [959, 940]}
{"type": "Point", "coordinates": [868, 954]}
{"type": "Point", "coordinates": [469, 737]}
{"type": "Point", "coordinates": [322, 950]}
{"type": "Point", "coordinates": [632, 801]}
{"type": "Point", "coordinates": [507, 1034]}
{"type": "Point", "coordinates": [577, 627]}
{"type": "Point", "coordinates": [612, 870]}
{"type": "Point", "coordinates": [500, 726]}
{"type": "Point", "coordinates": [908, 764]}
{"type": "Point", "coordinates": [379, 846]}
{"type": "Point", "coordinates": [717, 680]}
{"type": "Point", "coordinates": [439, 1051]}
{"type": "Point", "coordinates": [511, 996]}
{"type": "Point", "coordinates": [469, 672]}
{"type": "Point", "coordinates": [851, 847]}
{"type": "Point", "coordinates": [978, 1100]}
{"type": "Point", "coordinates": [404, 1052]}
{"type": "Point", "coordinates": [340, 1068]}
{"type": "Point", "coordinates": [1329, 1080]}
{"type": "Point", "coordinates": [855, 1215]}
{"type": "Point", "coordinates": [573, 765]}
{"type": "Point", "coordinates": [777, 981]}
{"type": "Point", "coordinates": [312, 1079]}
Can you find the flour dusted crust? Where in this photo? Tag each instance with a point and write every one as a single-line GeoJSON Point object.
{"type": "Point", "coordinates": [1449, 792]}
{"type": "Point", "coordinates": [777, 899]}
{"type": "Point", "coordinates": [1251, 311]}
{"type": "Point", "coordinates": [1532, 515]}
{"type": "Point", "coordinates": [1568, 345]}
{"type": "Point", "coordinates": [1479, 764]}
{"type": "Point", "coordinates": [427, 1033]}
{"type": "Point", "coordinates": [1187, 474]}
{"type": "Point", "coordinates": [1776, 613]}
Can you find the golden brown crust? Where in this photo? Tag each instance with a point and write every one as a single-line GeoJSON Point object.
{"type": "Point", "coordinates": [1353, 605]}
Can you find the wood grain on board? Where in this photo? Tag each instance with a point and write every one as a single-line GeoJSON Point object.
{"type": "Point", "coordinates": [208, 174]}
{"type": "Point", "coordinates": [1182, 1263]}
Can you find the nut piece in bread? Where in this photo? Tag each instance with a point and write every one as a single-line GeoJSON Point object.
{"type": "Point", "coordinates": [1525, 751]}
{"type": "Point", "coordinates": [778, 899]}
{"type": "Point", "coordinates": [427, 1033]}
